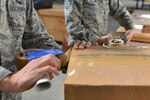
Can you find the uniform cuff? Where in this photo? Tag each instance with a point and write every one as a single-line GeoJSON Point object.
{"type": "Point", "coordinates": [129, 26]}
{"type": "Point", "coordinates": [4, 72]}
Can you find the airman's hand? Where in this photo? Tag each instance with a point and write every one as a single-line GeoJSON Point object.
{"type": "Point", "coordinates": [31, 73]}
{"type": "Point", "coordinates": [129, 34]}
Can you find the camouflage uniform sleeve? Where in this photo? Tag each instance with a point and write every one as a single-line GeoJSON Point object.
{"type": "Point", "coordinates": [4, 72]}
{"type": "Point", "coordinates": [121, 14]}
{"type": "Point", "coordinates": [35, 35]}
{"type": "Point", "coordinates": [73, 16]}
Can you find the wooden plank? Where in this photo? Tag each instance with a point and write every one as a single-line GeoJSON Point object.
{"type": "Point", "coordinates": [141, 37]}
{"type": "Point", "coordinates": [137, 36]}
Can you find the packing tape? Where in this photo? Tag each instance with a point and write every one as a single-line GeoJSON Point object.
{"type": "Point", "coordinates": [116, 42]}
{"type": "Point", "coordinates": [43, 83]}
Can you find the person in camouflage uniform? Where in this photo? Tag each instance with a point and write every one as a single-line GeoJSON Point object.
{"type": "Point", "coordinates": [20, 28]}
{"type": "Point", "coordinates": [86, 21]}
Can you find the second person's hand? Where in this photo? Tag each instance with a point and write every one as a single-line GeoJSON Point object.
{"type": "Point", "coordinates": [82, 44]}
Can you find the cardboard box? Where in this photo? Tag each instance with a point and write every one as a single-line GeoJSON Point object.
{"type": "Point", "coordinates": [102, 73]}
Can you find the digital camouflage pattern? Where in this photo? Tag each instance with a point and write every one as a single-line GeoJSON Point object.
{"type": "Point", "coordinates": [88, 19]}
{"type": "Point", "coordinates": [20, 28]}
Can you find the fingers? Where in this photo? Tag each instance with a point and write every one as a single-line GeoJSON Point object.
{"type": "Point", "coordinates": [104, 39]}
{"type": "Point", "coordinates": [80, 45]}
{"type": "Point", "coordinates": [40, 72]}
{"type": "Point", "coordinates": [51, 64]}
{"type": "Point", "coordinates": [48, 60]}
{"type": "Point", "coordinates": [76, 44]}
{"type": "Point", "coordinates": [129, 34]}
{"type": "Point", "coordinates": [94, 44]}
{"type": "Point", "coordinates": [46, 64]}
{"type": "Point", "coordinates": [51, 76]}
{"type": "Point", "coordinates": [88, 44]}
{"type": "Point", "coordinates": [48, 69]}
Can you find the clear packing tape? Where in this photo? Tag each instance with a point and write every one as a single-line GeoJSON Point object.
{"type": "Point", "coordinates": [116, 42]}
{"type": "Point", "coordinates": [43, 84]}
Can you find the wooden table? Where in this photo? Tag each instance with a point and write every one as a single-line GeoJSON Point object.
{"type": "Point", "coordinates": [139, 20]}
{"type": "Point", "coordinates": [142, 35]}
{"type": "Point", "coordinates": [100, 73]}
{"type": "Point", "coordinates": [54, 21]}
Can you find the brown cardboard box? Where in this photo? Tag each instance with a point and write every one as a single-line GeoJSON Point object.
{"type": "Point", "coordinates": [102, 73]}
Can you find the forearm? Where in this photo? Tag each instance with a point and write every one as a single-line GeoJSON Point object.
{"type": "Point", "coordinates": [7, 84]}
{"type": "Point", "coordinates": [125, 19]}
